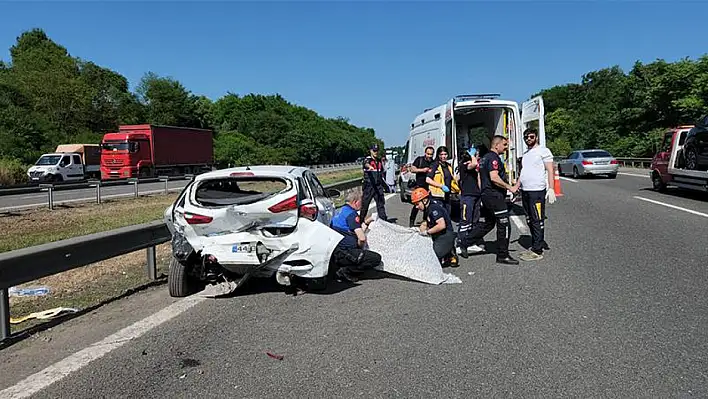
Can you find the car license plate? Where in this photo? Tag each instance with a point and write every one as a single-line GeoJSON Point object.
{"type": "Point", "coordinates": [243, 247]}
{"type": "Point", "coordinates": [602, 162]}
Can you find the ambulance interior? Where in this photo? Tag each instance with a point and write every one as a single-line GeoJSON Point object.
{"type": "Point", "coordinates": [475, 126]}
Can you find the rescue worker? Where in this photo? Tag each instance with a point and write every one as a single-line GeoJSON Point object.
{"type": "Point", "coordinates": [537, 187]}
{"type": "Point", "coordinates": [349, 255]}
{"type": "Point", "coordinates": [437, 225]}
{"type": "Point", "coordinates": [440, 179]}
{"type": "Point", "coordinates": [495, 209]}
{"type": "Point", "coordinates": [470, 198]}
{"type": "Point", "coordinates": [373, 183]}
{"type": "Point", "coordinates": [421, 167]}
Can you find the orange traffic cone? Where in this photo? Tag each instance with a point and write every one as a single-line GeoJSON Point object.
{"type": "Point", "coordinates": [557, 184]}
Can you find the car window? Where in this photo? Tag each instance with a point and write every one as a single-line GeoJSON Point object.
{"type": "Point", "coordinates": [314, 183]}
{"type": "Point", "coordinates": [666, 144]}
{"type": "Point", "coordinates": [77, 160]}
{"type": "Point", "coordinates": [238, 190]}
{"type": "Point", "coordinates": [64, 161]}
{"type": "Point", "coordinates": [596, 154]}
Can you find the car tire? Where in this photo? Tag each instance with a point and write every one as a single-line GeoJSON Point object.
{"type": "Point", "coordinates": [691, 159]}
{"type": "Point", "coordinates": [560, 173]}
{"type": "Point", "coordinates": [613, 175]}
{"type": "Point", "coordinates": [576, 175]}
{"type": "Point", "coordinates": [179, 282]}
{"type": "Point", "coordinates": [316, 284]}
{"type": "Point", "coordinates": [657, 183]}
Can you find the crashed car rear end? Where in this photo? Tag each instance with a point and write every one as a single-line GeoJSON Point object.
{"type": "Point", "coordinates": [230, 225]}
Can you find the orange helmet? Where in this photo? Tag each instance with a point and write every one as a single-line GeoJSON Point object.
{"type": "Point", "coordinates": [419, 194]}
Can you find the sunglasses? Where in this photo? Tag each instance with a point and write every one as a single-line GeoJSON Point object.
{"type": "Point", "coordinates": [531, 137]}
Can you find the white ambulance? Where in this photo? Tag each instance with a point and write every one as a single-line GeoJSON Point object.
{"type": "Point", "coordinates": [472, 119]}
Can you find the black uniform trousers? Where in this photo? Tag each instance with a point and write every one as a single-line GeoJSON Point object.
{"type": "Point", "coordinates": [495, 212]}
{"type": "Point", "coordinates": [355, 260]}
{"type": "Point", "coordinates": [375, 192]}
{"type": "Point", "coordinates": [534, 203]}
{"type": "Point", "coordinates": [469, 210]}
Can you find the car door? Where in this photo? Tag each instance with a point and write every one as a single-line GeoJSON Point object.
{"type": "Point", "coordinates": [77, 168]}
{"type": "Point", "coordinates": [661, 159]}
{"type": "Point", "coordinates": [566, 164]}
{"type": "Point", "coordinates": [325, 206]}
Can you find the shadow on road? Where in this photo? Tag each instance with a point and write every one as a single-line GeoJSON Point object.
{"type": "Point", "coordinates": [680, 193]}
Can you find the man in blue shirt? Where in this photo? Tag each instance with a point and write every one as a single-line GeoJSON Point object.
{"type": "Point", "coordinates": [350, 256]}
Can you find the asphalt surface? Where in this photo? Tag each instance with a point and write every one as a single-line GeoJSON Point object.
{"type": "Point", "coordinates": [33, 200]}
{"type": "Point", "coordinates": [616, 308]}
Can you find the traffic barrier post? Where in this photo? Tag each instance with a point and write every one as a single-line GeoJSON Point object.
{"type": "Point", "coordinates": [97, 184]}
{"type": "Point", "coordinates": [4, 314]}
{"type": "Point", "coordinates": [166, 179]}
{"type": "Point", "coordinates": [134, 182]}
{"type": "Point", "coordinates": [50, 194]}
{"type": "Point", "coordinates": [151, 264]}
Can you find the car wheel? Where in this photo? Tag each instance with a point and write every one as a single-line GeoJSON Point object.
{"type": "Point", "coordinates": [316, 284]}
{"type": "Point", "coordinates": [613, 175]}
{"type": "Point", "coordinates": [657, 183]}
{"type": "Point", "coordinates": [560, 171]}
{"type": "Point", "coordinates": [575, 172]}
{"type": "Point", "coordinates": [691, 159]}
{"type": "Point", "coordinates": [180, 283]}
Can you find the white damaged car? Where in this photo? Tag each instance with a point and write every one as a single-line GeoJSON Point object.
{"type": "Point", "coordinates": [232, 224]}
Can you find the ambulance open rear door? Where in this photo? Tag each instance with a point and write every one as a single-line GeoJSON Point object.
{"type": "Point", "coordinates": [532, 115]}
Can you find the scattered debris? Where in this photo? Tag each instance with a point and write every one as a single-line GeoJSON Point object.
{"type": "Point", "coordinates": [189, 363]}
{"type": "Point", "coordinates": [43, 315]}
{"type": "Point", "coordinates": [37, 291]}
{"type": "Point", "coordinates": [274, 356]}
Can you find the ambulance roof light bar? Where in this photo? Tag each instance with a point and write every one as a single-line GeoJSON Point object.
{"type": "Point", "coordinates": [488, 96]}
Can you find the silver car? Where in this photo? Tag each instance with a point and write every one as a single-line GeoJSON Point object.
{"type": "Point", "coordinates": [589, 162]}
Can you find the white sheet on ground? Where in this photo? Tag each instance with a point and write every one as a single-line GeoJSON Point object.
{"type": "Point", "coordinates": [406, 253]}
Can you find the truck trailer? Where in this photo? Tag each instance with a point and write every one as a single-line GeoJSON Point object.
{"type": "Point", "coordinates": [153, 150]}
{"type": "Point", "coordinates": [69, 162]}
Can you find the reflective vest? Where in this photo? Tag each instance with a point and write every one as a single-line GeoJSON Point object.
{"type": "Point", "coordinates": [440, 178]}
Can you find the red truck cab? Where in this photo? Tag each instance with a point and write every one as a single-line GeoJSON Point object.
{"type": "Point", "coordinates": [152, 150]}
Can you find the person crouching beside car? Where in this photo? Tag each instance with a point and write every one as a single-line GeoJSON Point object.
{"type": "Point", "coordinates": [350, 255]}
{"type": "Point", "coordinates": [437, 225]}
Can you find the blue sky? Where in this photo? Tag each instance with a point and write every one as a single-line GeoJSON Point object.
{"type": "Point", "coordinates": [377, 63]}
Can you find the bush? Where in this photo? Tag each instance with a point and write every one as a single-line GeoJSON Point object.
{"type": "Point", "coordinates": [12, 172]}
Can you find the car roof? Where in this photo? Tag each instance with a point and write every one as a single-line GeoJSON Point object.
{"type": "Point", "coordinates": [257, 170]}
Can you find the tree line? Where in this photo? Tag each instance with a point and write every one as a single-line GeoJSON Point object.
{"type": "Point", "coordinates": [48, 97]}
{"type": "Point", "coordinates": [626, 113]}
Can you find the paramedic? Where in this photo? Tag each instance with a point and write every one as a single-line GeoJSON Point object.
{"type": "Point", "coordinates": [470, 198]}
{"type": "Point", "coordinates": [373, 183]}
{"type": "Point", "coordinates": [440, 179]}
{"type": "Point", "coordinates": [495, 209]}
{"type": "Point", "coordinates": [350, 256]}
{"type": "Point", "coordinates": [421, 167]}
{"type": "Point", "coordinates": [537, 174]}
{"type": "Point", "coordinates": [441, 231]}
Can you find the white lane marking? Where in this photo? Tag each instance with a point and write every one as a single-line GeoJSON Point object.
{"type": "Point", "coordinates": [632, 174]}
{"type": "Point", "coordinates": [29, 206]}
{"type": "Point", "coordinates": [520, 223]}
{"type": "Point", "coordinates": [567, 179]}
{"type": "Point", "coordinates": [705, 215]}
{"type": "Point", "coordinates": [56, 372]}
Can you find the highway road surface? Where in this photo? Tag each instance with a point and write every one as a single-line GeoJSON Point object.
{"type": "Point", "coordinates": [617, 308]}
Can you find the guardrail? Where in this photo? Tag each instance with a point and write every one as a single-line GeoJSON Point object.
{"type": "Point", "coordinates": [28, 264]}
{"type": "Point", "coordinates": [633, 162]}
{"type": "Point", "coordinates": [36, 187]}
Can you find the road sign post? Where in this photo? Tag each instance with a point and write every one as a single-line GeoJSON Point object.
{"type": "Point", "coordinates": [134, 182]}
{"type": "Point", "coordinates": [97, 184]}
{"type": "Point", "coordinates": [165, 179]}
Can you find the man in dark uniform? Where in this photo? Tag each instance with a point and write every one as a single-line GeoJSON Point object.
{"type": "Point", "coordinates": [470, 198]}
{"type": "Point", "coordinates": [496, 212]}
{"type": "Point", "coordinates": [421, 167]}
{"type": "Point", "coordinates": [437, 225]}
{"type": "Point", "coordinates": [373, 184]}
{"type": "Point", "coordinates": [349, 255]}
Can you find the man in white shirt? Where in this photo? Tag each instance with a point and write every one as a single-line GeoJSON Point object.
{"type": "Point", "coordinates": [537, 185]}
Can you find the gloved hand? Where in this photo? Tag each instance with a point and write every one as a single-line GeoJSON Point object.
{"type": "Point", "coordinates": [550, 196]}
{"type": "Point", "coordinates": [445, 188]}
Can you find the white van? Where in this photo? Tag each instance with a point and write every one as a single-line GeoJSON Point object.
{"type": "Point", "coordinates": [472, 119]}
